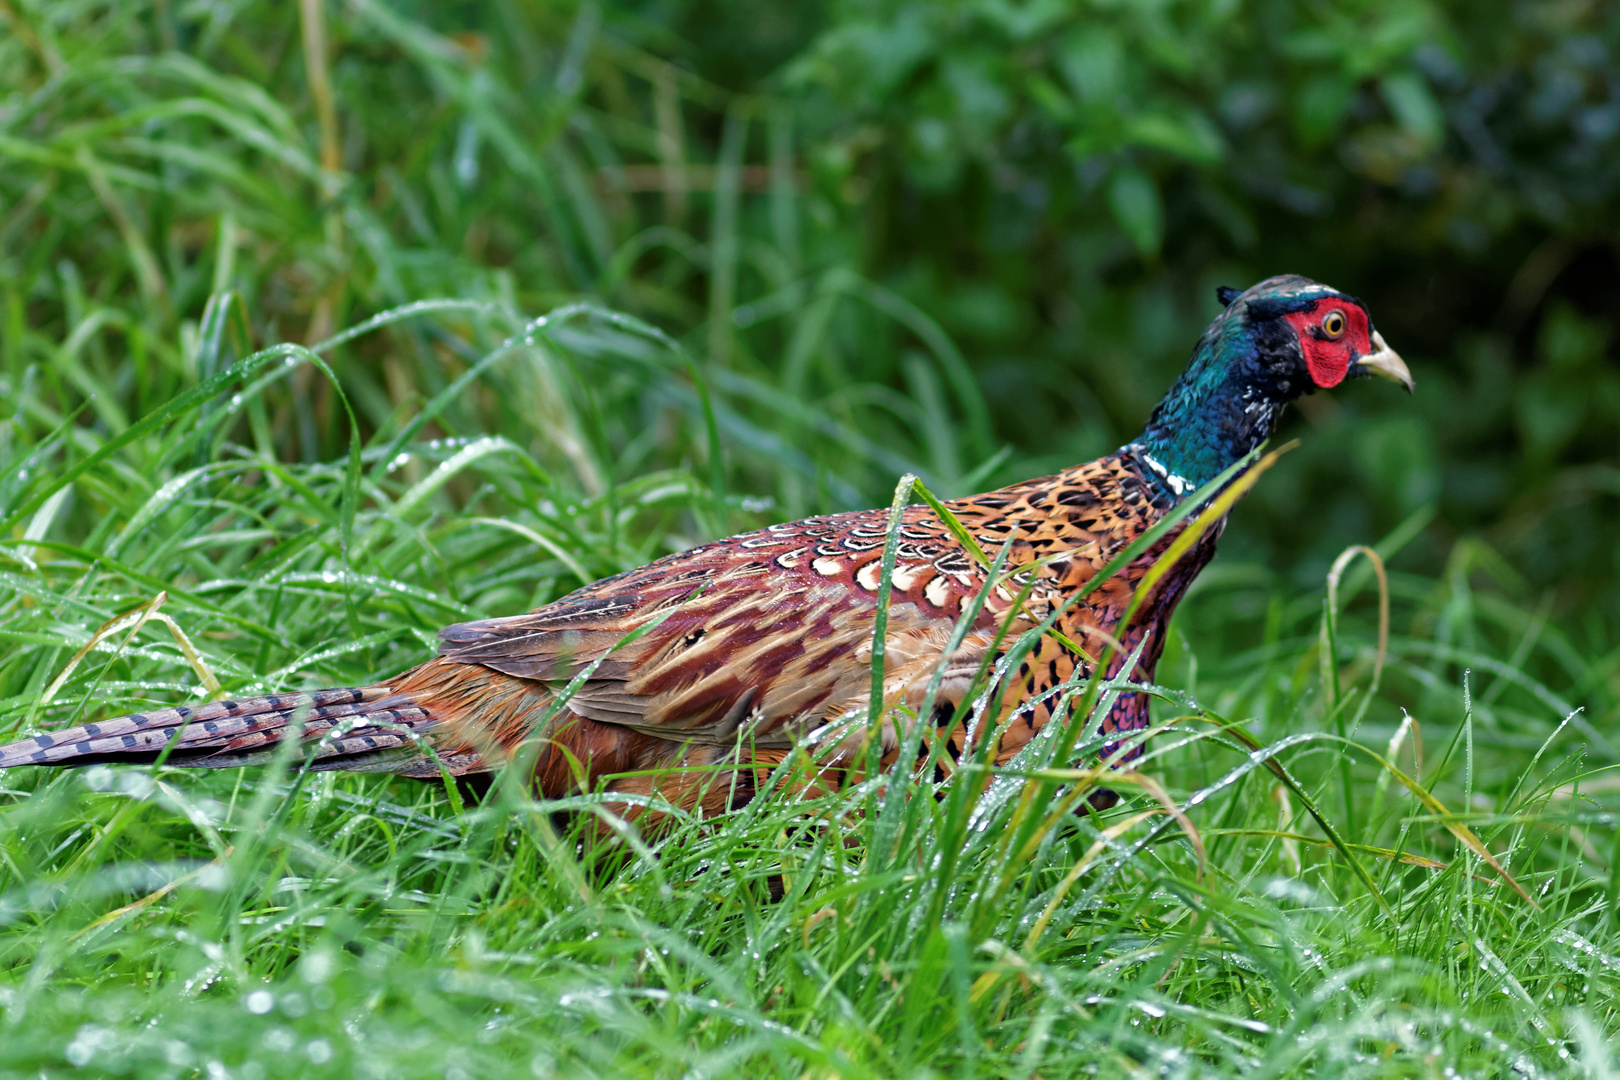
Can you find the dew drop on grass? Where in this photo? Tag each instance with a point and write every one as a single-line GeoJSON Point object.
{"type": "Point", "coordinates": [260, 1002]}
{"type": "Point", "coordinates": [316, 967]}
{"type": "Point", "coordinates": [88, 1041]}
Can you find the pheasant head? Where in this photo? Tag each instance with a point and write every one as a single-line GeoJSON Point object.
{"type": "Point", "coordinates": [1282, 338]}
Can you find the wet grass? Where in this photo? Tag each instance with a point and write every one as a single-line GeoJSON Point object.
{"type": "Point", "coordinates": [160, 922]}
{"type": "Point", "coordinates": [238, 437]}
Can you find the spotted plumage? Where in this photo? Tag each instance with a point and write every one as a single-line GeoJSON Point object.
{"type": "Point", "coordinates": [732, 653]}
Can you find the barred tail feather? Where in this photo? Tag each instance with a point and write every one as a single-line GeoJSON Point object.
{"type": "Point", "coordinates": [365, 729]}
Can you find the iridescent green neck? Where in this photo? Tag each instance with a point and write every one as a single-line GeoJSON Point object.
{"type": "Point", "coordinates": [1224, 405]}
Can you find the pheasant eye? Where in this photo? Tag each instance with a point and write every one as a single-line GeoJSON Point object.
{"type": "Point", "coordinates": [1333, 325]}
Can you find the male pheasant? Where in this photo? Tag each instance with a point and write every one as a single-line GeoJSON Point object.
{"type": "Point", "coordinates": [767, 636]}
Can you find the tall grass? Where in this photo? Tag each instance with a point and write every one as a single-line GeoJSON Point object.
{"type": "Point", "coordinates": [231, 413]}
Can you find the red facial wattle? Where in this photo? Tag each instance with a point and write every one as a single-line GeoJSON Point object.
{"type": "Point", "coordinates": [1327, 356]}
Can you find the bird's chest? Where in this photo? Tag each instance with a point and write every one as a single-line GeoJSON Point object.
{"type": "Point", "coordinates": [1147, 587]}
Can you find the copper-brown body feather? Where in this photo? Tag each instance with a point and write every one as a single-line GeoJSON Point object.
{"type": "Point", "coordinates": [746, 645]}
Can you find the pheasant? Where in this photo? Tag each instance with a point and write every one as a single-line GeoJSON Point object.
{"type": "Point", "coordinates": [730, 654]}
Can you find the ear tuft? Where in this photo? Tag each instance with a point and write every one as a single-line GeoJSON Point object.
{"type": "Point", "coordinates": [1226, 294]}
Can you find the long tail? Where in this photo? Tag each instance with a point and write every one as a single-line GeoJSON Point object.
{"type": "Point", "coordinates": [364, 729]}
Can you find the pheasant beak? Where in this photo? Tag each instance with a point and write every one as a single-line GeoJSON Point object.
{"type": "Point", "coordinates": [1385, 363]}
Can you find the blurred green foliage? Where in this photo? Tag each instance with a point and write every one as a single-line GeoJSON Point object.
{"type": "Point", "coordinates": [896, 234]}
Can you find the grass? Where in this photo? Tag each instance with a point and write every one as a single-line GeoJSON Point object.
{"type": "Point", "coordinates": [193, 436]}
{"type": "Point", "coordinates": [168, 923]}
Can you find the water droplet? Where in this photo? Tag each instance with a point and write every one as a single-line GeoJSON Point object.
{"type": "Point", "coordinates": [316, 967]}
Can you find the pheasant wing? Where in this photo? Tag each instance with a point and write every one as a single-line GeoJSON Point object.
{"type": "Point", "coordinates": [772, 629]}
